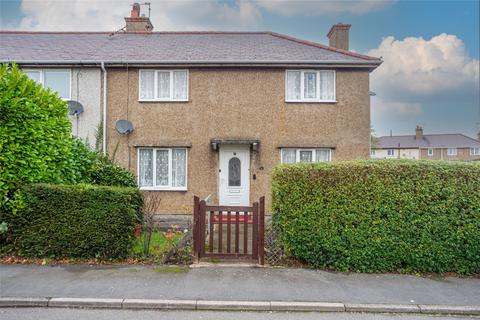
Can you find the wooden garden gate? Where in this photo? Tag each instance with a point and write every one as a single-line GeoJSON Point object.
{"type": "Point", "coordinates": [229, 232]}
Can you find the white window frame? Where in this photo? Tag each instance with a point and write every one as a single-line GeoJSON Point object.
{"type": "Point", "coordinates": [302, 86]}
{"type": "Point", "coordinates": [475, 151]}
{"type": "Point", "coordinates": [155, 85]}
{"type": "Point", "coordinates": [372, 152]}
{"type": "Point", "coordinates": [314, 154]}
{"type": "Point", "coordinates": [154, 170]}
{"type": "Point", "coordinates": [42, 78]}
{"type": "Point", "coordinates": [453, 153]}
{"type": "Point", "coordinates": [388, 152]}
{"type": "Point", "coordinates": [430, 152]}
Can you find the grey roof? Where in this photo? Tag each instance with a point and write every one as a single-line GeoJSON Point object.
{"type": "Point", "coordinates": [455, 140]}
{"type": "Point", "coordinates": [170, 47]}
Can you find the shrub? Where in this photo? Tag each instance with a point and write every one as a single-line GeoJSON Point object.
{"type": "Point", "coordinates": [106, 173]}
{"type": "Point", "coordinates": [35, 144]}
{"type": "Point", "coordinates": [372, 216]}
{"type": "Point", "coordinates": [90, 166]}
{"type": "Point", "coordinates": [80, 221]}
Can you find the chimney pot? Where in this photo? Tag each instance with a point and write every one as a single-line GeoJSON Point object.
{"type": "Point", "coordinates": [135, 13]}
{"type": "Point", "coordinates": [418, 133]}
{"type": "Point", "coordinates": [338, 36]}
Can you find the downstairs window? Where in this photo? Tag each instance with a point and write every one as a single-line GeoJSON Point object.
{"type": "Point", "coordinates": [162, 168]}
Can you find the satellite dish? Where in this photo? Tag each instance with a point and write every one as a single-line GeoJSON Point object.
{"type": "Point", "coordinates": [124, 126]}
{"type": "Point", "coordinates": [74, 108]}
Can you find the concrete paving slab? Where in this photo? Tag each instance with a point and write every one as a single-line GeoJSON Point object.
{"type": "Point", "coordinates": [159, 304]}
{"type": "Point", "coordinates": [233, 305]}
{"type": "Point", "coordinates": [382, 308]}
{"type": "Point", "coordinates": [307, 306]}
{"type": "Point", "coordinates": [446, 309]}
{"type": "Point", "coordinates": [85, 303]}
{"type": "Point", "coordinates": [23, 302]}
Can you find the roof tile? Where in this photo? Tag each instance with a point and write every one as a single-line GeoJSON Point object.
{"type": "Point", "coordinates": [183, 47]}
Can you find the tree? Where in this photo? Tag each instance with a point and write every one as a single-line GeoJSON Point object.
{"type": "Point", "coordinates": [35, 134]}
{"type": "Point", "coordinates": [374, 140]}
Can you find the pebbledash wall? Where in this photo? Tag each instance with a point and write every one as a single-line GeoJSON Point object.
{"type": "Point", "coordinates": [86, 88]}
{"type": "Point", "coordinates": [242, 103]}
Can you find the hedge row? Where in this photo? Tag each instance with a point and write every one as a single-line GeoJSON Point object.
{"type": "Point", "coordinates": [374, 216]}
{"type": "Point", "coordinates": [80, 221]}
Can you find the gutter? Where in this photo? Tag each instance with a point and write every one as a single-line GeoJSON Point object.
{"type": "Point", "coordinates": [203, 62]}
{"type": "Point", "coordinates": [104, 121]}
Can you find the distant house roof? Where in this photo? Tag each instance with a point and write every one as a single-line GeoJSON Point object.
{"type": "Point", "coordinates": [455, 140]}
{"type": "Point", "coordinates": [171, 48]}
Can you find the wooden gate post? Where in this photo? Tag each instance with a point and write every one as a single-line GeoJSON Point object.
{"type": "Point", "coordinates": [261, 232]}
{"type": "Point", "coordinates": [196, 233]}
{"type": "Point", "coordinates": [255, 231]}
{"type": "Point", "coordinates": [202, 228]}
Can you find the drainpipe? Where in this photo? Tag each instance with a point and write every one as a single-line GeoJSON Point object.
{"type": "Point", "coordinates": [104, 127]}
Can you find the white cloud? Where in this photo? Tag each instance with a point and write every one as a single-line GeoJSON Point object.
{"type": "Point", "coordinates": [418, 66]}
{"type": "Point", "coordinates": [98, 15]}
{"type": "Point", "coordinates": [416, 71]}
{"type": "Point", "coordinates": [321, 7]}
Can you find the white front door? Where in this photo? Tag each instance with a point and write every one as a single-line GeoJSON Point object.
{"type": "Point", "coordinates": [234, 182]}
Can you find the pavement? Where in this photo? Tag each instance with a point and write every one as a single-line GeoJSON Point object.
{"type": "Point", "coordinates": [265, 288]}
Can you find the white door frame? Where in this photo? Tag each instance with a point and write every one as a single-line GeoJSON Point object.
{"type": "Point", "coordinates": [245, 173]}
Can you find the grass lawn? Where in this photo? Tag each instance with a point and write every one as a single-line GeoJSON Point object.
{"type": "Point", "coordinates": [159, 244]}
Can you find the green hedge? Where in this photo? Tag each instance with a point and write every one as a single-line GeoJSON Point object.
{"type": "Point", "coordinates": [80, 221]}
{"type": "Point", "coordinates": [371, 216]}
{"type": "Point", "coordinates": [35, 143]}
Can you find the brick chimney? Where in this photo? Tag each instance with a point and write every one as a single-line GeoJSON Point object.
{"type": "Point", "coordinates": [418, 133]}
{"type": "Point", "coordinates": [137, 23]}
{"type": "Point", "coordinates": [338, 36]}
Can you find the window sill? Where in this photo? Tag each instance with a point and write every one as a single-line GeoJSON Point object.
{"type": "Point", "coordinates": [311, 101]}
{"type": "Point", "coordinates": [161, 100]}
{"type": "Point", "coordinates": [162, 189]}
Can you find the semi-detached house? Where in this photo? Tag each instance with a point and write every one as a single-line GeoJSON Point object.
{"type": "Point", "coordinates": [212, 112]}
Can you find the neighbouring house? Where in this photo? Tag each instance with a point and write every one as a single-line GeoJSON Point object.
{"type": "Point", "coordinates": [453, 146]}
{"type": "Point", "coordinates": [73, 82]}
{"type": "Point", "coordinates": [212, 112]}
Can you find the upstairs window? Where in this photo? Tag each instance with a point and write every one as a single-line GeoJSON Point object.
{"type": "Point", "coordinates": [58, 80]}
{"type": "Point", "coordinates": [452, 151]}
{"type": "Point", "coordinates": [163, 85]}
{"type": "Point", "coordinates": [310, 86]}
{"type": "Point", "coordinates": [293, 155]}
{"type": "Point", "coordinates": [475, 151]}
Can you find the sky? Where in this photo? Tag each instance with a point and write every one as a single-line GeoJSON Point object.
{"type": "Point", "coordinates": [430, 73]}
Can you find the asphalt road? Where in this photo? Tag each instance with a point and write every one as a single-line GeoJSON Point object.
{"type": "Point", "coordinates": [77, 314]}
